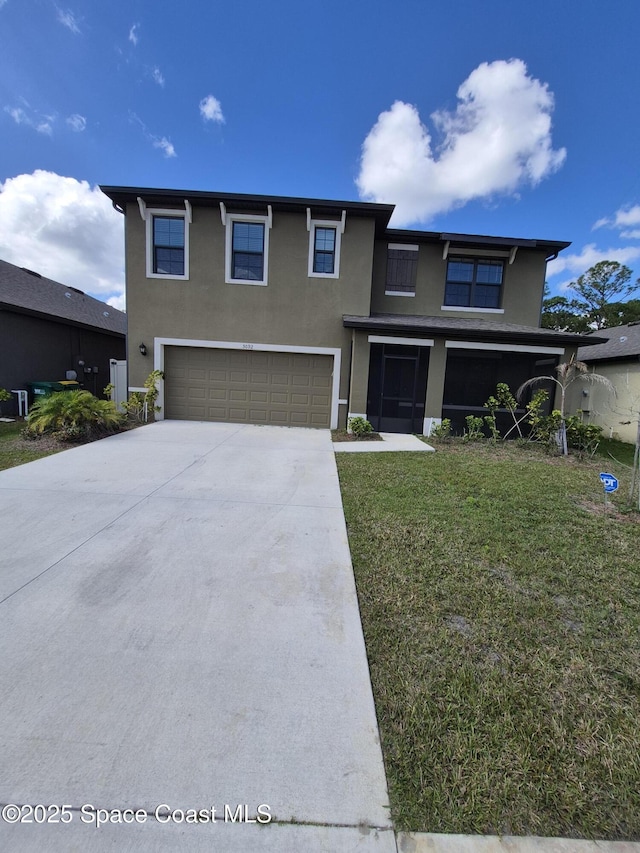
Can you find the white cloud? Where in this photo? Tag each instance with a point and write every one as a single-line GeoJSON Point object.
{"type": "Point", "coordinates": [40, 123]}
{"type": "Point", "coordinates": [622, 218]}
{"type": "Point", "coordinates": [158, 77]}
{"type": "Point", "coordinates": [165, 146]}
{"type": "Point", "coordinates": [497, 140]}
{"type": "Point", "coordinates": [576, 264]}
{"type": "Point", "coordinates": [160, 142]}
{"type": "Point", "coordinates": [118, 302]}
{"type": "Point", "coordinates": [64, 229]}
{"type": "Point", "coordinates": [68, 19]}
{"type": "Point", "coordinates": [211, 109]}
{"type": "Point", "coordinates": [77, 122]}
{"type": "Point", "coordinates": [133, 34]}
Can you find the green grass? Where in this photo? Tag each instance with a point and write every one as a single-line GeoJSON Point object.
{"type": "Point", "coordinates": [501, 612]}
{"type": "Point", "coordinates": [14, 450]}
{"type": "Point", "coordinates": [611, 448]}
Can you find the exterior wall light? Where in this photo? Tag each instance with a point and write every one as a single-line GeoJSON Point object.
{"type": "Point", "coordinates": [143, 349]}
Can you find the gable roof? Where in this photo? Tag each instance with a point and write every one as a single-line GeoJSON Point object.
{"type": "Point", "coordinates": [621, 342]}
{"type": "Point", "coordinates": [28, 292]}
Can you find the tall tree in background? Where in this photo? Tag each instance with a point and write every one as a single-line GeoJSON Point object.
{"type": "Point", "coordinates": [562, 314]}
{"type": "Point", "coordinates": [593, 306]}
{"type": "Point", "coordinates": [598, 287]}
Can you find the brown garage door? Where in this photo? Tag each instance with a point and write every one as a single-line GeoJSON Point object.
{"type": "Point", "coordinates": [246, 386]}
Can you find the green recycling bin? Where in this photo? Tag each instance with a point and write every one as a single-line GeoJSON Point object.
{"type": "Point", "coordinates": [43, 389]}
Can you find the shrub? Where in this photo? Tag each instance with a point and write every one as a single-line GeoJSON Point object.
{"type": "Point", "coordinates": [4, 396]}
{"type": "Point", "coordinates": [360, 427]}
{"type": "Point", "coordinates": [474, 429]}
{"type": "Point", "coordinates": [73, 415]}
{"type": "Point", "coordinates": [134, 406]}
{"type": "Point", "coordinates": [140, 403]}
{"type": "Point", "coordinates": [585, 438]}
{"type": "Point", "coordinates": [442, 430]}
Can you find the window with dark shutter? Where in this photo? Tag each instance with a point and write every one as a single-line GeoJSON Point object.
{"type": "Point", "coordinates": [402, 267]}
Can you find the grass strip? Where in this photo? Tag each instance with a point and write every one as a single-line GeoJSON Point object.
{"type": "Point", "coordinates": [501, 612]}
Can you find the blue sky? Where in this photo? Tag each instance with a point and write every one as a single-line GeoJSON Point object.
{"type": "Point", "coordinates": [502, 118]}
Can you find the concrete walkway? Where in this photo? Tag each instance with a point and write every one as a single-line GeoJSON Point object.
{"type": "Point", "coordinates": [392, 442]}
{"type": "Point", "coordinates": [179, 628]}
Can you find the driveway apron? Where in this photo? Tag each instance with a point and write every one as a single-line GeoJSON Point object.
{"type": "Point", "coordinates": [179, 627]}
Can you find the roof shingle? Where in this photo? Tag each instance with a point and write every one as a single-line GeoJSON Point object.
{"type": "Point", "coordinates": [32, 293]}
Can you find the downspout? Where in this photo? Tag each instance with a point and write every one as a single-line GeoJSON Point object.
{"type": "Point", "coordinates": [546, 261]}
{"type": "Point", "coordinates": [117, 207]}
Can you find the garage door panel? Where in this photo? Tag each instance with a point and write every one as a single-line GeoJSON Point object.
{"type": "Point", "coordinates": [248, 386]}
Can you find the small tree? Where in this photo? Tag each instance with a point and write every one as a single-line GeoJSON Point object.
{"type": "Point", "coordinates": [567, 373]}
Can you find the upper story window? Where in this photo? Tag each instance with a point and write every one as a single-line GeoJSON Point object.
{"type": "Point", "coordinates": [474, 283]}
{"type": "Point", "coordinates": [167, 244]}
{"type": "Point", "coordinates": [247, 252]}
{"type": "Point", "coordinates": [402, 267]}
{"type": "Point", "coordinates": [324, 248]}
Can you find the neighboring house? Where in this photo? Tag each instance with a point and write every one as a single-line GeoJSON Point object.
{"type": "Point", "coordinates": [619, 360]}
{"type": "Point", "coordinates": [48, 329]}
{"type": "Point", "coordinates": [303, 312]}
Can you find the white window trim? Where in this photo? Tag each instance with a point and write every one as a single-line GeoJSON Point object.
{"type": "Point", "coordinates": [472, 310]}
{"type": "Point", "coordinates": [398, 293]}
{"type": "Point", "coordinates": [158, 362]}
{"type": "Point", "coordinates": [230, 218]}
{"type": "Point", "coordinates": [325, 223]}
{"type": "Point", "coordinates": [150, 213]}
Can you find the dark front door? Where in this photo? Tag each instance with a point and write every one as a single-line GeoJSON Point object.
{"type": "Point", "coordinates": [397, 387]}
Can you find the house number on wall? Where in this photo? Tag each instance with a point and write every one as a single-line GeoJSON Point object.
{"type": "Point", "coordinates": [247, 346]}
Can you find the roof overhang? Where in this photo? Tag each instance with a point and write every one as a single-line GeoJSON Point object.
{"type": "Point", "coordinates": [121, 196]}
{"type": "Point", "coordinates": [478, 241]}
{"type": "Point", "coordinates": [468, 330]}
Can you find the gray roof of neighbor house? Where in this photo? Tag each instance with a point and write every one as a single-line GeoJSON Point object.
{"type": "Point", "coordinates": [29, 292]}
{"type": "Point", "coordinates": [621, 342]}
{"type": "Point", "coordinates": [464, 327]}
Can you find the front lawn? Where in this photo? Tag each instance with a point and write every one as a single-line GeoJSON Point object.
{"type": "Point", "coordinates": [15, 450]}
{"type": "Point", "coordinates": [501, 612]}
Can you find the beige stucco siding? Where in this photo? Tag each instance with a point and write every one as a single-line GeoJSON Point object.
{"type": "Point", "coordinates": [293, 309]}
{"type": "Point", "coordinates": [617, 415]}
{"type": "Point", "coordinates": [522, 288]}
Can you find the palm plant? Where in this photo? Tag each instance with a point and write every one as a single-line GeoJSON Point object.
{"type": "Point", "coordinates": [73, 414]}
{"type": "Point", "coordinates": [567, 373]}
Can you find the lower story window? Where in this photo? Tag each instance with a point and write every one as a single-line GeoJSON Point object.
{"type": "Point", "coordinates": [474, 283]}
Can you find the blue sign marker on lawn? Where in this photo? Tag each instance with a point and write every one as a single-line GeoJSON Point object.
{"type": "Point", "coordinates": [609, 482]}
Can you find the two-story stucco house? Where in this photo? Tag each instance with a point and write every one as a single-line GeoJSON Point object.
{"type": "Point", "coordinates": [304, 312]}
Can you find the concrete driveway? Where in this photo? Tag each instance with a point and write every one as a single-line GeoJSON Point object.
{"type": "Point", "coordinates": [179, 627]}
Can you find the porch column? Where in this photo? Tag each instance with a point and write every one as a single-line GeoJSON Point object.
{"type": "Point", "coordinates": [359, 380]}
{"type": "Point", "coordinates": [435, 385]}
